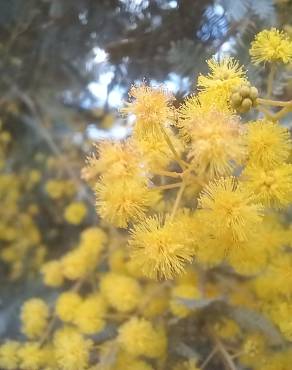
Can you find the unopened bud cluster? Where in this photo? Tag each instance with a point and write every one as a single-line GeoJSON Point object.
{"type": "Point", "coordinates": [244, 97]}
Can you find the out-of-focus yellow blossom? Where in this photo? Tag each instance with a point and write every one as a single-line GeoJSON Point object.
{"type": "Point", "coordinates": [72, 350]}
{"type": "Point", "coordinates": [271, 46]}
{"type": "Point", "coordinates": [159, 248]}
{"type": "Point", "coordinates": [89, 317]}
{"type": "Point", "coordinates": [34, 317]}
{"type": "Point", "coordinates": [139, 337]}
{"type": "Point", "coordinates": [227, 329]}
{"type": "Point", "coordinates": [122, 292]}
{"type": "Point", "coordinates": [253, 350]}
{"type": "Point", "coordinates": [272, 187]}
{"type": "Point", "coordinates": [67, 306]}
{"type": "Point", "coordinates": [52, 273]}
{"type": "Point", "coordinates": [58, 189]}
{"type": "Point", "coordinates": [75, 213]}
{"type": "Point", "coordinates": [84, 258]}
{"type": "Point", "coordinates": [151, 107]}
{"type": "Point", "coordinates": [9, 355]}
{"type": "Point", "coordinates": [179, 293]}
{"type": "Point", "coordinates": [32, 357]}
{"type": "Point", "coordinates": [268, 144]}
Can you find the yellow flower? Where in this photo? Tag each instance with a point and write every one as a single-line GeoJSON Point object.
{"type": "Point", "coordinates": [120, 201]}
{"type": "Point", "coordinates": [52, 273]}
{"type": "Point", "coordinates": [268, 143]}
{"type": "Point", "coordinates": [122, 292]}
{"type": "Point", "coordinates": [151, 107]}
{"type": "Point", "coordinates": [75, 213]}
{"type": "Point", "coordinates": [138, 337]}
{"type": "Point", "coordinates": [217, 143]}
{"type": "Point", "coordinates": [180, 292]}
{"type": "Point", "coordinates": [118, 158]}
{"type": "Point", "coordinates": [9, 355]}
{"type": "Point", "coordinates": [159, 247]}
{"type": "Point", "coordinates": [226, 72]}
{"type": "Point", "coordinates": [231, 207]}
{"type": "Point", "coordinates": [224, 76]}
{"type": "Point", "coordinates": [187, 365]}
{"type": "Point", "coordinates": [34, 317]}
{"type": "Point", "coordinates": [71, 349]}
{"type": "Point", "coordinates": [67, 306]}
{"type": "Point", "coordinates": [271, 46]}
{"type": "Point", "coordinates": [89, 315]}
{"type": "Point", "coordinates": [32, 357]}
{"type": "Point", "coordinates": [272, 187]}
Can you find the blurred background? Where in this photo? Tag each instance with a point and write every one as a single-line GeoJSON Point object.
{"type": "Point", "coordinates": [65, 70]}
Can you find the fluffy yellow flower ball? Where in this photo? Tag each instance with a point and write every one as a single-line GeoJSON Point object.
{"type": "Point", "coordinates": [138, 337]}
{"type": "Point", "coordinates": [32, 357]}
{"type": "Point", "coordinates": [9, 355]}
{"type": "Point", "coordinates": [89, 316]}
{"type": "Point", "coordinates": [52, 273]}
{"type": "Point", "coordinates": [122, 292]}
{"type": "Point", "coordinates": [75, 213]}
{"type": "Point", "coordinates": [67, 306]}
{"type": "Point", "coordinates": [71, 350]}
{"type": "Point", "coordinates": [183, 291]}
{"type": "Point", "coordinates": [271, 46]}
{"type": "Point", "coordinates": [34, 317]}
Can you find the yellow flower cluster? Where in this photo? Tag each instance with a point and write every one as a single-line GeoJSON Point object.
{"type": "Point", "coordinates": [190, 266]}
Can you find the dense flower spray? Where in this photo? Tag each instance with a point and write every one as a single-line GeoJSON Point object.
{"type": "Point", "coordinates": [190, 267]}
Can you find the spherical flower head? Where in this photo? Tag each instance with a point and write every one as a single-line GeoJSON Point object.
{"type": "Point", "coordinates": [217, 143]}
{"type": "Point", "coordinates": [271, 46]}
{"type": "Point", "coordinates": [268, 143]}
{"type": "Point", "coordinates": [123, 200]}
{"type": "Point", "coordinates": [230, 207]}
{"type": "Point", "coordinates": [52, 273]}
{"type": "Point", "coordinates": [122, 292]}
{"type": "Point", "coordinates": [32, 357]}
{"type": "Point", "coordinates": [254, 348]}
{"type": "Point", "coordinates": [89, 317]}
{"type": "Point", "coordinates": [179, 293]}
{"type": "Point", "coordinates": [81, 260]}
{"type": "Point", "coordinates": [138, 337]}
{"type": "Point", "coordinates": [75, 213]}
{"type": "Point", "coordinates": [34, 317]}
{"type": "Point", "coordinates": [93, 236]}
{"type": "Point", "coordinates": [67, 306]}
{"type": "Point", "coordinates": [9, 355]}
{"type": "Point", "coordinates": [151, 107]}
{"type": "Point", "coordinates": [119, 158]}
{"type": "Point", "coordinates": [72, 351]}
{"type": "Point", "coordinates": [159, 248]}
{"type": "Point", "coordinates": [224, 76]}
{"type": "Point", "coordinates": [272, 187]}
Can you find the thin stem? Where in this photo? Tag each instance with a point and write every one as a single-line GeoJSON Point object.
{"type": "Point", "coordinates": [177, 200]}
{"type": "Point", "coordinates": [283, 112]}
{"type": "Point", "coordinates": [167, 186]}
{"type": "Point", "coordinates": [226, 358]}
{"type": "Point", "coordinates": [209, 358]}
{"type": "Point", "coordinates": [172, 148]}
{"type": "Point", "coordinates": [168, 174]}
{"type": "Point", "coordinates": [273, 103]}
{"type": "Point", "coordinates": [271, 80]}
{"type": "Point", "coordinates": [48, 331]}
